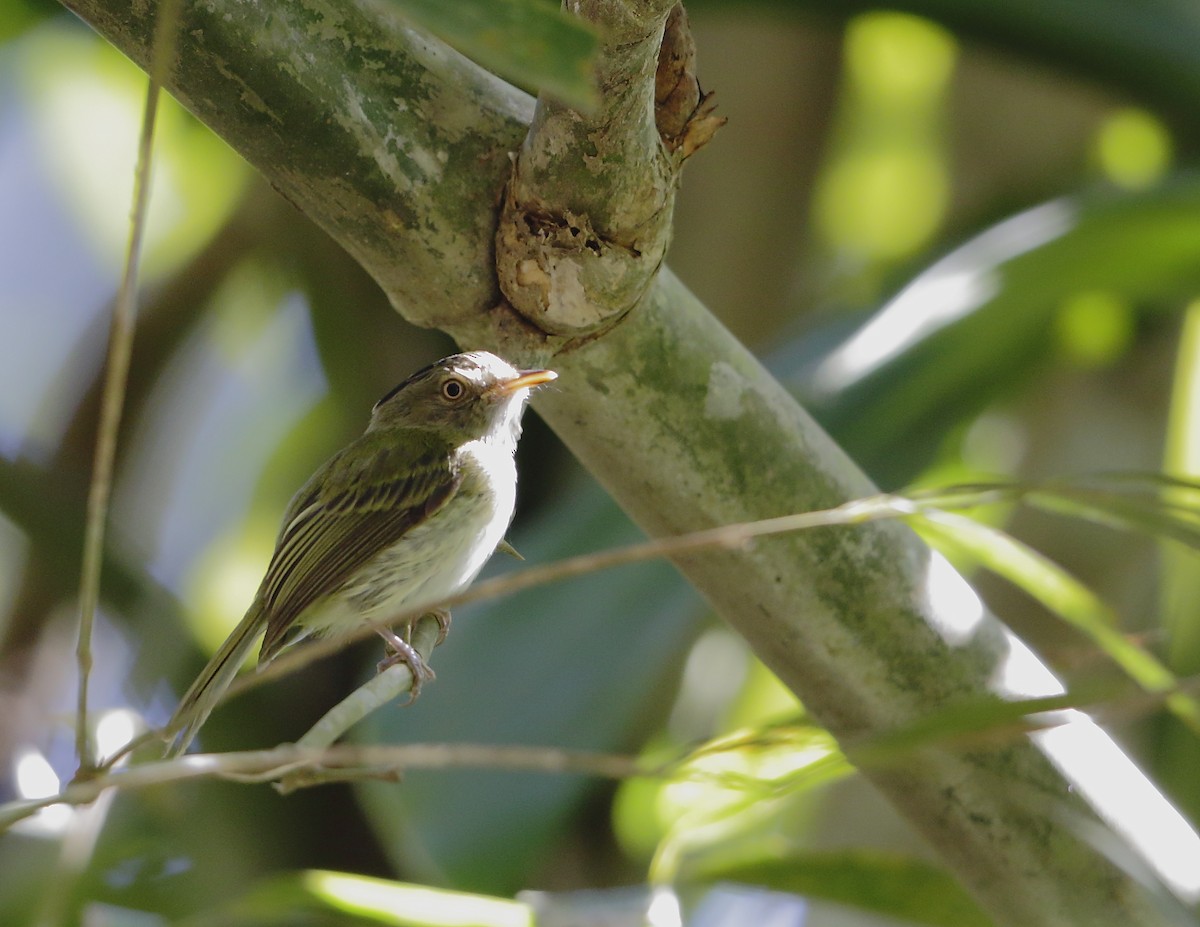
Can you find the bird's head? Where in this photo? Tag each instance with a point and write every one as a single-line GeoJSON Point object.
{"type": "Point", "coordinates": [463, 397]}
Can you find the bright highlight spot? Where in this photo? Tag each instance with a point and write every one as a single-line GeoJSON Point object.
{"type": "Point", "coordinates": [664, 910]}
{"type": "Point", "coordinates": [713, 674]}
{"type": "Point", "coordinates": [223, 583]}
{"type": "Point", "coordinates": [80, 106]}
{"type": "Point", "coordinates": [954, 608]}
{"type": "Point", "coordinates": [35, 778]}
{"type": "Point", "coordinates": [114, 730]}
{"type": "Point", "coordinates": [1095, 328]}
{"type": "Point", "coordinates": [994, 443]}
{"type": "Point", "coordinates": [1134, 148]}
{"type": "Point", "coordinates": [1125, 799]}
{"type": "Point", "coordinates": [883, 203]}
{"type": "Point", "coordinates": [1022, 675]}
{"type": "Point", "coordinates": [87, 101]}
{"type": "Point", "coordinates": [885, 190]}
{"type": "Point", "coordinates": [901, 58]}
{"type": "Point", "coordinates": [1105, 777]}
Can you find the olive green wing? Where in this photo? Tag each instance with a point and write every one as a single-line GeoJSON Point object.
{"type": "Point", "coordinates": [358, 504]}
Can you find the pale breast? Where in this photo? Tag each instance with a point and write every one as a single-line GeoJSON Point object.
{"type": "Point", "coordinates": [438, 557]}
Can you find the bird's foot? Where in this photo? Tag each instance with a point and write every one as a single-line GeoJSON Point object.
{"type": "Point", "coordinates": [401, 651]}
{"type": "Point", "coordinates": [442, 617]}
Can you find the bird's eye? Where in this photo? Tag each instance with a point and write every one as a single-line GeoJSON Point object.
{"type": "Point", "coordinates": [453, 390]}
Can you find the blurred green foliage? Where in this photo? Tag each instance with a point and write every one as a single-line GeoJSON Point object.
{"type": "Point", "coordinates": [988, 240]}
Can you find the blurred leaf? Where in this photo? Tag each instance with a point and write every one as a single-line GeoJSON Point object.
{"type": "Point", "coordinates": [1155, 504]}
{"type": "Point", "coordinates": [114, 916]}
{"type": "Point", "coordinates": [589, 664]}
{"type": "Point", "coordinates": [739, 795]}
{"type": "Point", "coordinates": [1176, 753]}
{"type": "Point", "coordinates": [969, 328]}
{"type": "Point", "coordinates": [335, 899]}
{"type": "Point", "coordinates": [28, 866]}
{"type": "Point", "coordinates": [887, 884]}
{"type": "Point", "coordinates": [416, 905]}
{"type": "Point", "coordinates": [1181, 578]}
{"type": "Point", "coordinates": [529, 42]}
{"type": "Point", "coordinates": [1109, 41]}
{"type": "Point", "coordinates": [986, 719]}
{"type": "Point", "coordinates": [86, 100]}
{"type": "Point", "coordinates": [16, 16]}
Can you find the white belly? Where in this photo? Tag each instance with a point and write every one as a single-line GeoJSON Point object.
{"type": "Point", "coordinates": [435, 559]}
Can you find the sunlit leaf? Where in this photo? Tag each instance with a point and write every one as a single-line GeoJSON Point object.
{"type": "Point", "coordinates": [406, 905]}
{"type": "Point", "coordinates": [957, 337]}
{"type": "Point", "coordinates": [335, 899]}
{"type": "Point", "coordinates": [986, 719]}
{"type": "Point", "coordinates": [1177, 754]}
{"type": "Point", "coordinates": [739, 793]}
{"type": "Point", "coordinates": [1155, 504]}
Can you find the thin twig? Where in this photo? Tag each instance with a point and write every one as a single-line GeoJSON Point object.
{"type": "Point", "coordinates": [863, 510]}
{"type": "Point", "coordinates": [859, 511]}
{"type": "Point", "coordinates": [294, 766]}
{"type": "Point", "coordinates": [873, 508]}
{"type": "Point", "coordinates": [381, 690]}
{"type": "Point", "coordinates": [267, 765]}
{"type": "Point", "coordinates": [120, 349]}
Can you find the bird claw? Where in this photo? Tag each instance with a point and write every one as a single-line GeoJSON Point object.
{"type": "Point", "coordinates": [401, 651]}
{"type": "Point", "coordinates": [442, 617]}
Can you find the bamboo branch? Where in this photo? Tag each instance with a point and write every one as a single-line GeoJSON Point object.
{"type": "Point", "coordinates": [268, 765]}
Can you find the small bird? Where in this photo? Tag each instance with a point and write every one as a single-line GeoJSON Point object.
{"type": "Point", "coordinates": [408, 513]}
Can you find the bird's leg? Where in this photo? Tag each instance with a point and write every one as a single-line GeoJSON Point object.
{"type": "Point", "coordinates": [400, 650]}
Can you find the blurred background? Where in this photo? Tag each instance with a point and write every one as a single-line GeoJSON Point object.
{"type": "Point", "coordinates": [970, 248]}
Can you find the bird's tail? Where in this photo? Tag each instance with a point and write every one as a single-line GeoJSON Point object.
{"type": "Point", "coordinates": [199, 701]}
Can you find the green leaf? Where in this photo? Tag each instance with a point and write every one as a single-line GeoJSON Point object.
{"type": "Point", "coordinates": [18, 16]}
{"type": "Point", "coordinates": [1176, 754]}
{"type": "Point", "coordinates": [985, 719]}
{"type": "Point", "coordinates": [337, 899]}
{"type": "Point", "coordinates": [962, 332]}
{"type": "Point", "coordinates": [532, 43]}
{"type": "Point", "coordinates": [733, 798]}
{"type": "Point", "coordinates": [888, 884]}
{"type": "Point", "coordinates": [1155, 504]}
{"type": "Point", "coordinates": [406, 905]}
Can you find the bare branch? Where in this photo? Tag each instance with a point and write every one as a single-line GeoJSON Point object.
{"type": "Point", "coordinates": [120, 349]}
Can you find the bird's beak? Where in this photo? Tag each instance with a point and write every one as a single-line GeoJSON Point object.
{"type": "Point", "coordinates": [525, 380]}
